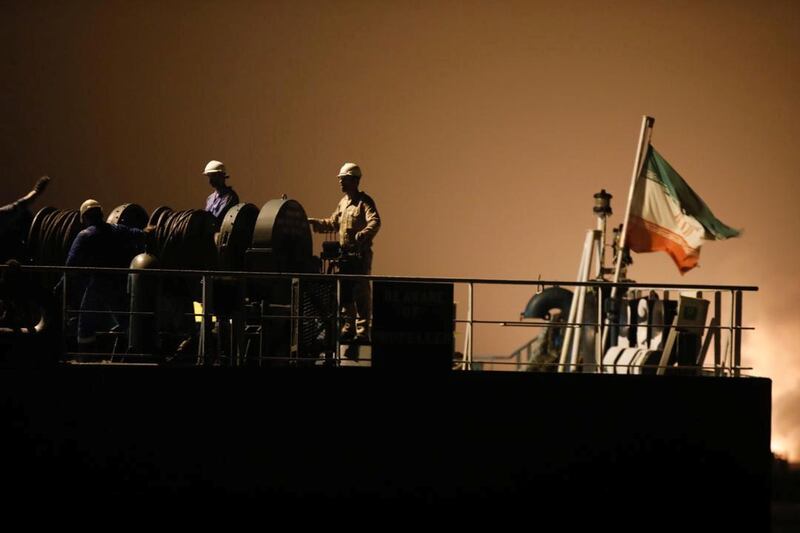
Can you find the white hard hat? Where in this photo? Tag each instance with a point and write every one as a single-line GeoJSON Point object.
{"type": "Point", "coordinates": [350, 169]}
{"type": "Point", "coordinates": [90, 204]}
{"type": "Point", "coordinates": [215, 167]}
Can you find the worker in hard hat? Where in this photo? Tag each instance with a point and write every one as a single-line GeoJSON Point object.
{"type": "Point", "coordinates": [224, 197]}
{"type": "Point", "coordinates": [101, 244]}
{"type": "Point", "coordinates": [15, 220]}
{"type": "Point", "coordinates": [357, 221]}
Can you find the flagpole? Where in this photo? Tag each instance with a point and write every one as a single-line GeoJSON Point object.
{"type": "Point", "coordinates": [644, 143]}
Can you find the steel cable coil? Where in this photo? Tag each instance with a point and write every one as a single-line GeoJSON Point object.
{"type": "Point", "coordinates": [184, 240]}
{"type": "Point", "coordinates": [51, 235]}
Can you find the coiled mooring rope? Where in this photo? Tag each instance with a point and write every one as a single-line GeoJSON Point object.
{"type": "Point", "coordinates": [185, 240]}
{"type": "Point", "coordinates": [51, 235]}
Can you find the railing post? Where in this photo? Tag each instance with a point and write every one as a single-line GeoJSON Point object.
{"type": "Point", "coordinates": [737, 333]}
{"type": "Point", "coordinates": [599, 338]}
{"type": "Point", "coordinates": [206, 327]}
{"type": "Point", "coordinates": [728, 355]}
{"type": "Point", "coordinates": [717, 332]}
{"type": "Point", "coordinates": [64, 317]}
{"type": "Point", "coordinates": [201, 355]}
{"type": "Point", "coordinates": [337, 358]}
{"type": "Point", "coordinates": [238, 324]}
{"type": "Point", "coordinates": [470, 332]}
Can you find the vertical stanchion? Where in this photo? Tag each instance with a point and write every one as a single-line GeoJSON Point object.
{"type": "Point", "coordinates": [238, 324]}
{"type": "Point", "coordinates": [737, 333]}
{"type": "Point", "coordinates": [729, 341]}
{"type": "Point", "coordinates": [201, 352]}
{"type": "Point", "coordinates": [338, 357]}
{"type": "Point", "coordinates": [470, 332]}
{"type": "Point", "coordinates": [206, 327]}
{"type": "Point", "coordinates": [64, 317]}
{"type": "Point", "coordinates": [718, 332]}
{"type": "Point", "coordinates": [599, 336]}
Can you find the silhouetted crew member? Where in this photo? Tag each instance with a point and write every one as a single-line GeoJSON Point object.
{"type": "Point", "coordinates": [102, 245]}
{"type": "Point", "coordinates": [357, 220]}
{"type": "Point", "coordinates": [15, 219]}
{"type": "Point", "coordinates": [224, 197]}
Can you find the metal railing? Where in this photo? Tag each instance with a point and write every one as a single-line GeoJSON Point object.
{"type": "Point", "coordinates": [726, 361]}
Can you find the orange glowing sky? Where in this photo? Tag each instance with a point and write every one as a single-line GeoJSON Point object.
{"type": "Point", "coordinates": [483, 129]}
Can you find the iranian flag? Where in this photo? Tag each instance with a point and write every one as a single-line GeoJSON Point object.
{"type": "Point", "coordinates": [666, 214]}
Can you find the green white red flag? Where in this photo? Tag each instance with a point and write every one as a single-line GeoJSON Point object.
{"type": "Point", "coordinates": [667, 215]}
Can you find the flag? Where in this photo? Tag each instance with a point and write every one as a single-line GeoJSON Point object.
{"type": "Point", "coordinates": [666, 214]}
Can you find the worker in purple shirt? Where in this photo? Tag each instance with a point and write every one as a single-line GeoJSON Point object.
{"type": "Point", "coordinates": [224, 197]}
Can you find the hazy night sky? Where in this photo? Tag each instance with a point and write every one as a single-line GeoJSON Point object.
{"type": "Point", "coordinates": [483, 129]}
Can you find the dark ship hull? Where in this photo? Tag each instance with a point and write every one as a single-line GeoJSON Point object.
{"type": "Point", "coordinates": [609, 450]}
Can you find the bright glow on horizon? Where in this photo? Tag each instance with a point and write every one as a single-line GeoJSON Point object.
{"type": "Point", "coordinates": [768, 355]}
{"type": "Point", "coordinates": [779, 448]}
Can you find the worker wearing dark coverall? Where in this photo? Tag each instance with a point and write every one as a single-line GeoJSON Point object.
{"type": "Point", "coordinates": [102, 245]}
{"type": "Point", "coordinates": [357, 221]}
